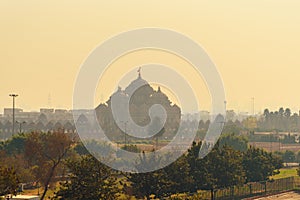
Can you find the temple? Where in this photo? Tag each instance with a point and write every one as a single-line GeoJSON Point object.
{"type": "Point", "coordinates": [143, 96]}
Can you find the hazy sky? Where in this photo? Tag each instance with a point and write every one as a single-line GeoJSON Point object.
{"type": "Point", "coordinates": [255, 45]}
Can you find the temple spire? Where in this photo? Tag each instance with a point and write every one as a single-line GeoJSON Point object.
{"type": "Point", "coordinates": [139, 72]}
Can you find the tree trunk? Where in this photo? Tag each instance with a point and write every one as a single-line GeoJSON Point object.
{"type": "Point", "coordinates": [48, 181]}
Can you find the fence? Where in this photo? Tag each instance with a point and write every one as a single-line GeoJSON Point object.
{"type": "Point", "coordinates": [252, 189]}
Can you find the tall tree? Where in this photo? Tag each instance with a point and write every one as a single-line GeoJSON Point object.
{"type": "Point", "coordinates": [222, 167]}
{"type": "Point", "coordinates": [145, 184]}
{"type": "Point", "coordinates": [8, 181]}
{"type": "Point", "coordinates": [239, 143]}
{"type": "Point", "coordinates": [259, 165]}
{"type": "Point", "coordinates": [201, 178]}
{"type": "Point", "coordinates": [46, 151]}
{"type": "Point", "coordinates": [89, 179]}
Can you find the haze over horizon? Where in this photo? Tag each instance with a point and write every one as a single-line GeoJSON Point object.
{"type": "Point", "coordinates": [255, 46]}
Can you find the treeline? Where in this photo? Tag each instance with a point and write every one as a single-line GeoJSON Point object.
{"type": "Point", "coordinates": [281, 120]}
{"type": "Point", "coordinates": [46, 158]}
{"type": "Point", "coordinates": [222, 167]}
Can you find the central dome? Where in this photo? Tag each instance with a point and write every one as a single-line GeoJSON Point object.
{"type": "Point", "coordinates": [135, 84]}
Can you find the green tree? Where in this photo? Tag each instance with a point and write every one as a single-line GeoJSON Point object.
{"type": "Point", "coordinates": [231, 128]}
{"type": "Point", "coordinates": [8, 181]}
{"type": "Point", "coordinates": [239, 143]}
{"type": "Point", "coordinates": [289, 156]}
{"type": "Point", "coordinates": [89, 179]}
{"type": "Point", "coordinates": [201, 178]}
{"type": "Point", "coordinates": [176, 177]}
{"type": "Point", "coordinates": [12, 157]}
{"type": "Point", "coordinates": [225, 165]}
{"type": "Point", "coordinates": [259, 165]}
{"type": "Point", "coordinates": [145, 184]}
{"type": "Point", "coordinates": [15, 145]}
{"type": "Point", "coordinates": [222, 167]}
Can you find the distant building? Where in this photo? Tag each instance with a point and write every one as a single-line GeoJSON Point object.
{"type": "Point", "coordinates": [9, 111]}
{"type": "Point", "coordinates": [141, 97]}
{"type": "Point", "coordinates": [47, 110]}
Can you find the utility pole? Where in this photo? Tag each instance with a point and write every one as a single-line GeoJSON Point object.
{"type": "Point", "coordinates": [13, 96]}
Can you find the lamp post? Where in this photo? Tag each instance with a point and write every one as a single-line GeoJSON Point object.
{"type": "Point", "coordinates": [13, 96]}
{"type": "Point", "coordinates": [20, 125]}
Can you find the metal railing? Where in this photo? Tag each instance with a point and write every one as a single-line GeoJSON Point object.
{"type": "Point", "coordinates": [251, 189]}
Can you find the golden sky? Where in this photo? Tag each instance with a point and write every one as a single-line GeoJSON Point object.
{"type": "Point", "coordinates": [254, 44]}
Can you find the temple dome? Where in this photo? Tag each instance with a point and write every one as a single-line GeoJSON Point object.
{"type": "Point", "coordinates": [135, 84]}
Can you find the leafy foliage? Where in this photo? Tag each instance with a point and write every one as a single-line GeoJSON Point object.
{"type": "Point", "coordinates": [8, 181]}
{"type": "Point", "coordinates": [45, 151]}
{"type": "Point", "coordinates": [260, 165]}
{"type": "Point", "coordinates": [15, 145]}
{"type": "Point", "coordinates": [223, 167]}
{"type": "Point", "coordinates": [281, 120]}
{"type": "Point", "coordinates": [89, 179]}
{"type": "Point", "coordinates": [239, 143]}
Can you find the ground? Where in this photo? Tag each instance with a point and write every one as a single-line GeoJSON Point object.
{"type": "Point", "coordinates": [283, 196]}
{"type": "Point", "coordinates": [286, 172]}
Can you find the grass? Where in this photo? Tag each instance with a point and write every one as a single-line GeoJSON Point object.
{"type": "Point", "coordinates": [49, 193]}
{"type": "Point", "coordinates": [286, 172]}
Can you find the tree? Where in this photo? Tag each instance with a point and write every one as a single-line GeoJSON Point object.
{"type": "Point", "coordinates": [176, 177]}
{"type": "Point", "coordinates": [89, 179]}
{"type": "Point", "coordinates": [225, 165]}
{"type": "Point", "coordinates": [16, 144]}
{"type": "Point", "coordinates": [201, 178]}
{"type": "Point", "coordinates": [287, 112]}
{"type": "Point", "coordinates": [145, 184]}
{"type": "Point", "coordinates": [8, 181]}
{"type": "Point", "coordinates": [281, 120]}
{"type": "Point", "coordinates": [20, 166]}
{"type": "Point", "coordinates": [222, 167]}
{"type": "Point", "coordinates": [12, 157]}
{"type": "Point", "coordinates": [281, 111]}
{"type": "Point", "coordinates": [239, 143]}
{"type": "Point", "coordinates": [250, 123]}
{"type": "Point", "coordinates": [289, 156]}
{"type": "Point", "coordinates": [266, 113]}
{"type": "Point", "coordinates": [259, 165]}
{"type": "Point", "coordinates": [46, 151]}
{"type": "Point", "coordinates": [231, 128]}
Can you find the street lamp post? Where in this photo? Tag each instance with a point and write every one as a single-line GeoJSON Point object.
{"type": "Point", "coordinates": [13, 96]}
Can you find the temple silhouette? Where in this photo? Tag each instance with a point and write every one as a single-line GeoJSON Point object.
{"type": "Point", "coordinates": [141, 96]}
